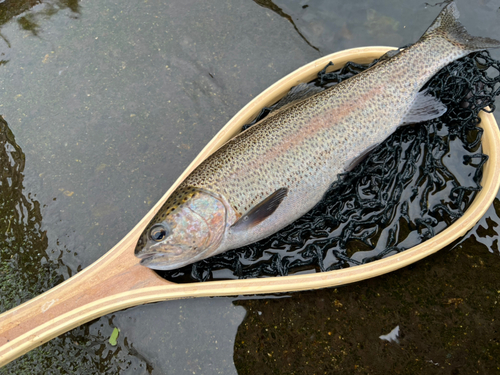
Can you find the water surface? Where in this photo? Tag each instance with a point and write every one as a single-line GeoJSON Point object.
{"type": "Point", "coordinates": [109, 102]}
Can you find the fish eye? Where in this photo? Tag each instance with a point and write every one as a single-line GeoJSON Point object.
{"type": "Point", "coordinates": [158, 232]}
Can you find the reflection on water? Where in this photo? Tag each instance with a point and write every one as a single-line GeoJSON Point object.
{"type": "Point", "coordinates": [31, 10]}
{"type": "Point", "coordinates": [25, 273]}
{"type": "Point", "coordinates": [336, 25]}
{"type": "Point", "coordinates": [486, 231]}
{"type": "Point", "coordinates": [28, 14]}
{"type": "Point", "coordinates": [151, 61]}
{"type": "Point", "coordinates": [22, 242]}
{"type": "Point", "coordinates": [30, 20]}
{"type": "Point", "coordinates": [271, 5]}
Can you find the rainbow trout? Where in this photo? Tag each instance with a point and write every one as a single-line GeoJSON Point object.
{"type": "Point", "coordinates": [277, 170]}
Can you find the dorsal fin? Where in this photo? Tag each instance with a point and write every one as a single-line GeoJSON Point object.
{"type": "Point", "coordinates": [297, 93]}
{"type": "Point", "coordinates": [261, 211]}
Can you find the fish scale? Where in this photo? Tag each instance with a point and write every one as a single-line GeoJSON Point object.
{"type": "Point", "coordinates": [302, 137]}
{"type": "Point", "coordinates": [278, 169]}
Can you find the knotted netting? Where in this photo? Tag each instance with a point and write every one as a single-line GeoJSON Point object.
{"type": "Point", "coordinates": [411, 187]}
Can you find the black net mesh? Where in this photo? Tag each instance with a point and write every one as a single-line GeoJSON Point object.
{"type": "Point", "coordinates": [411, 187]}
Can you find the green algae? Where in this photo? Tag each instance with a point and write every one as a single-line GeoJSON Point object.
{"type": "Point", "coordinates": [114, 336]}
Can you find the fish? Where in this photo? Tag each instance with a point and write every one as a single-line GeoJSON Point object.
{"type": "Point", "coordinates": [278, 169]}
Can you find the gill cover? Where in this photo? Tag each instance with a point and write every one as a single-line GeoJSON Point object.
{"type": "Point", "coordinates": [190, 226]}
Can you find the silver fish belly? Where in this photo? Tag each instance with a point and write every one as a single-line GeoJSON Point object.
{"type": "Point", "coordinates": [277, 170]}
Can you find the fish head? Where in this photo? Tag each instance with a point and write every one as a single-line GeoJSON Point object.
{"type": "Point", "coordinates": [189, 227]}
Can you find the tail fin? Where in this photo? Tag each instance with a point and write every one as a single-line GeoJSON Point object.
{"type": "Point", "coordinates": [447, 26]}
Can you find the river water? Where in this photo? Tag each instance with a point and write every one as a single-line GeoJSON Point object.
{"type": "Point", "coordinates": [108, 102]}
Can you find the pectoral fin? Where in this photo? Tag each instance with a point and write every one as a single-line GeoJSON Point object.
{"type": "Point", "coordinates": [353, 163]}
{"type": "Point", "coordinates": [426, 107]}
{"type": "Point", "coordinates": [261, 211]}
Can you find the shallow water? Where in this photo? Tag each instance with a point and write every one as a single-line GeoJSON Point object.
{"type": "Point", "coordinates": [110, 101]}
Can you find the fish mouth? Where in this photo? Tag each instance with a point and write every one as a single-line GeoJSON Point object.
{"type": "Point", "coordinates": [145, 255]}
{"type": "Point", "coordinates": [166, 262]}
{"type": "Point", "coordinates": [160, 262]}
